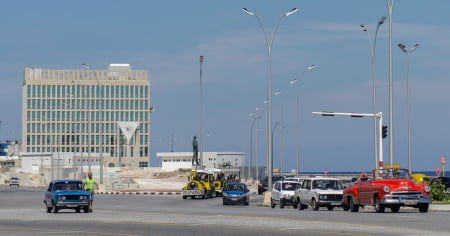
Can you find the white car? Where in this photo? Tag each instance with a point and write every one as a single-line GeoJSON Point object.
{"type": "Point", "coordinates": [320, 192]}
{"type": "Point", "coordinates": [283, 194]}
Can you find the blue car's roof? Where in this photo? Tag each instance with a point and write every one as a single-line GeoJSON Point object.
{"type": "Point", "coordinates": [65, 180]}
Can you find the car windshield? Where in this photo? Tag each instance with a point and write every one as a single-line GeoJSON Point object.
{"type": "Point", "coordinates": [290, 186]}
{"type": "Point", "coordinates": [328, 184]}
{"type": "Point", "coordinates": [235, 187]}
{"type": "Point", "coordinates": [392, 174]}
{"type": "Point", "coordinates": [68, 186]}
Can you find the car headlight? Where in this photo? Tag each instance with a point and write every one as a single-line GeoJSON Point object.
{"type": "Point", "coordinates": [63, 198]}
{"type": "Point", "coordinates": [323, 197]}
{"type": "Point", "coordinates": [427, 188]}
{"type": "Point", "coordinates": [386, 189]}
{"type": "Point", "coordinates": [225, 194]}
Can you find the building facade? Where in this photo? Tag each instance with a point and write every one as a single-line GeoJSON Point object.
{"type": "Point", "coordinates": [183, 160]}
{"type": "Point", "coordinates": [89, 113]}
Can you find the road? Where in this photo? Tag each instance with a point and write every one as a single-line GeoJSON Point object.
{"type": "Point", "coordinates": [22, 213]}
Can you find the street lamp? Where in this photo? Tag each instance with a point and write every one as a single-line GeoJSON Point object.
{"type": "Point", "coordinates": [251, 142]}
{"type": "Point", "coordinates": [408, 99]}
{"type": "Point", "coordinates": [374, 90]}
{"type": "Point", "coordinates": [390, 5]}
{"type": "Point", "coordinates": [281, 132]}
{"type": "Point", "coordinates": [298, 114]}
{"type": "Point", "coordinates": [201, 113]}
{"type": "Point", "coordinates": [98, 90]}
{"type": "Point", "coordinates": [269, 42]}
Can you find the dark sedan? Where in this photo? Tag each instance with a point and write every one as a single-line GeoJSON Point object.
{"type": "Point", "coordinates": [236, 193]}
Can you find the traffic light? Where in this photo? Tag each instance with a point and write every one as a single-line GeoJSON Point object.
{"type": "Point", "coordinates": [384, 131]}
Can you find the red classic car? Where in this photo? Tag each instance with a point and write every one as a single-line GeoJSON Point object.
{"type": "Point", "coordinates": [391, 188]}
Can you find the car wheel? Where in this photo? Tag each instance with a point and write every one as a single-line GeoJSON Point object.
{"type": "Point", "coordinates": [345, 207]}
{"type": "Point", "coordinates": [314, 205]}
{"type": "Point", "coordinates": [330, 208]}
{"type": "Point", "coordinates": [282, 203]}
{"type": "Point", "coordinates": [353, 207]}
{"type": "Point", "coordinates": [86, 209]}
{"type": "Point", "coordinates": [78, 210]}
{"type": "Point", "coordinates": [379, 208]}
{"type": "Point", "coordinates": [423, 208]}
{"type": "Point", "coordinates": [271, 203]}
{"type": "Point", "coordinates": [49, 209]}
{"type": "Point", "coordinates": [55, 209]}
{"type": "Point", "coordinates": [395, 208]}
{"type": "Point", "coordinates": [184, 197]}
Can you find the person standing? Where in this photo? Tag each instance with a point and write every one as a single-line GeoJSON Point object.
{"type": "Point", "coordinates": [89, 184]}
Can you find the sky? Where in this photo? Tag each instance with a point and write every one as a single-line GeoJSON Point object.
{"type": "Point", "coordinates": [167, 38]}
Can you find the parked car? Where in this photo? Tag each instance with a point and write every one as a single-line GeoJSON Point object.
{"type": "Point", "coordinates": [283, 194]}
{"type": "Point", "coordinates": [263, 184]}
{"type": "Point", "coordinates": [388, 188]}
{"type": "Point", "coordinates": [14, 181]}
{"type": "Point", "coordinates": [444, 180]}
{"type": "Point", "coordinates": [320, 192]}
{"type": "Point", "coordinates": [236, 193]}
{"type": "Point", "coordinates": [66, 194]}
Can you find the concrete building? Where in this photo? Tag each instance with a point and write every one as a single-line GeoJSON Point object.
{"type": "Point", "coordinates": [183, 160]}
{"type": "Point", "coordinates": [93, 114]}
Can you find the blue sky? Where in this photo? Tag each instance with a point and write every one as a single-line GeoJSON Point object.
{"type": "Point", "coordinates": [167, 37]}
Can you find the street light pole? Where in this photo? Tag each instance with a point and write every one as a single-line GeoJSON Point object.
{"type": "Point", "coordinates": [269, 43]}
{"type": "Point", "coordinates": [390, 5]}
{"type": "Point", "coordinates": [408, 99]}
{"type": "Point", "coordinates": [201, 113]}
{"type": "Point", "coordinates": [251, 144]}
{"type": "Point", "coordinates": [374, 90]}
{"type": "Point", "coordinates": [297, 132]}
{"type": "Point", "coordinates": [98, 91]}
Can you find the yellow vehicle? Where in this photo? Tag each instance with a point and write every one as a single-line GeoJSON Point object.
{"type": "Point", "coordinates": [200, 184]}
{"type": "Point", "coordinates": [222, 177]}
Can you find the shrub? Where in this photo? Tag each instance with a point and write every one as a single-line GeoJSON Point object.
{"type": "Point", "coordinates": [438, 192]}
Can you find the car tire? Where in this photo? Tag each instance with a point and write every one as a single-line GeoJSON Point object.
{"type": "Point", "coordinates": [345, 207]}
{"type": "Point", "coordinates": [184, 197]}
{"type": "Point", "coordinates": [379, 208]}
{"type": "Point", "coordinates": [423, 208]}
{"type": "Point", "coordinates": [86, 209]}
{"type": "Point", "coordinates": [55, 209]}
{"type": "Point", "coordinates": [282, 203]}
{"type": "Point", "coordinates": [395, 208]}
{"type": "Point", "coordinates": [314, 205]}
{"type": "Point", "coordinates": [49, 209]}
{"type": "Point", "coordinates": [78, 210]}
{"type": "Point", "coordinates": [271, 203]}
{"type": "Point", "coordinates": [352, 206]}
{"type": "Point", "coordinates": [330, 208]}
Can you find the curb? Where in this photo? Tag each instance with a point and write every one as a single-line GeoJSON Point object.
{"type": "Point", "coordinates": [145, 192]}
{"type": "Point", "coordinates": [130, 192]}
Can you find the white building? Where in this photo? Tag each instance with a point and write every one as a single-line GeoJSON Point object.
{"type": "Point", "coordinates": [183, 160]}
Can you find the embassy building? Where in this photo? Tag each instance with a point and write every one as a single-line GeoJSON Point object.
{"type": "Point", "coordinates": [91, 115]}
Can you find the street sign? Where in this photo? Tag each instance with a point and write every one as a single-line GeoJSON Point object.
{"type": "Point", "coordinates": [438, 171]}
{"type": "Point", "coordinates": [443, 160]}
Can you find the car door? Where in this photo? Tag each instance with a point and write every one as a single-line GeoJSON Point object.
{"type": "Point", "coordinates": [276, 191]}
{"type": "Point", "coordinates": [49, 195]}
{"type": "Point", "coordinates": [306, 185]}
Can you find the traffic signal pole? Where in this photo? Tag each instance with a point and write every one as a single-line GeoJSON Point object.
{"type": "Point", "coordinates": [379, 115]}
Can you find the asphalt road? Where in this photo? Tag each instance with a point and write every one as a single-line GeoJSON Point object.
{"type": "Point", "coordinates": [22, 213]}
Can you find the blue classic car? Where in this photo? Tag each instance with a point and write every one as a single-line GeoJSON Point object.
{"type": "Point", "coordinates": [66, 194]}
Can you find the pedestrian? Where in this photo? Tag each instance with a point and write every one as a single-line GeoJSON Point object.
{"type": "Point", "coordinates": [89, 184]}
